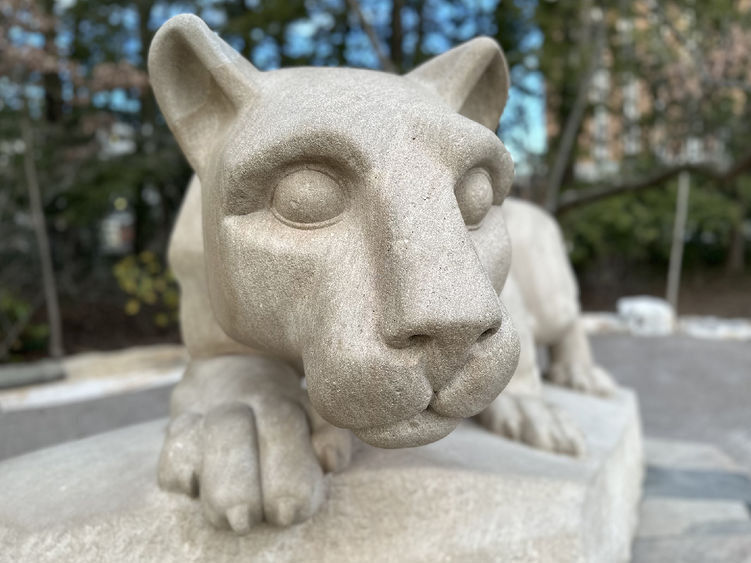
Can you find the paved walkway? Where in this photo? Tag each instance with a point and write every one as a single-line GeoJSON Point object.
{"type": "Point", "coordinates": [697, 498]}
{"type": "Point", "coordinates": [696, 506]}
{"type": "Point", "coordinates": [689, 389]}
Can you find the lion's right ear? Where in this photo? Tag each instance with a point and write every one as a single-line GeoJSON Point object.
{"type": "Point", "coordinates": [200, 83]}
{"type": "Point", "coordinates": [472, 78]}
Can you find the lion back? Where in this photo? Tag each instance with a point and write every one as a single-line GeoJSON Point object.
{"type": "Point", "coordinates": [541, 268]}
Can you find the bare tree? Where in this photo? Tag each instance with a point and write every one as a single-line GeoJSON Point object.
{"type": "Point", "coordinates": [386, 63]}
{"type": "Point", "coordinates": [40, 233]}
{"type": "Point", "coordinates": [571, 129]}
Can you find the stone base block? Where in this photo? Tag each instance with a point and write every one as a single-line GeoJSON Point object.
{"type": "Point", "coordinates": [470, 497]}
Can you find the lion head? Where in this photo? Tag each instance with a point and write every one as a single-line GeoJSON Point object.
{"type": "Point", "coordinates": [352, 224]}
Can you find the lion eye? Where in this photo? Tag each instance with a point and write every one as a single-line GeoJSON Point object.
{"type": "Point", "coordinates": [308, 198]}
{"type": "Point", "coordinates": [474, 193]}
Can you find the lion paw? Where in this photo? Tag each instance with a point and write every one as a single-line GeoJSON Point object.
{"type": "Point", "coordinates": [251, 463]}
{"type": "Point", "coordinates": [587, 378]}
{"type": "Point", "coordinates": [532, 421]}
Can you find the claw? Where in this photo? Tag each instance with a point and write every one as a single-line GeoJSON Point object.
{"type": "Point", "coordinates": [238, 518]}
{"type": "Point", "coordinates": [180, 457]}
{"type": "Point", "coordinates": [285, 513]}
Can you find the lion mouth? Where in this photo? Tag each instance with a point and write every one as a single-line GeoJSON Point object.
{"type": "Point", "coordinates": [423, 428]}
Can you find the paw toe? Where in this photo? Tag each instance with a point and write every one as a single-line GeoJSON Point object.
{"type": "Point", "coordinates": [536, 423]}
{"type": "Point", "coordinates": [181, 455]}
{"type": "Point", "coordinates": [503, 417]}
{"type": "Point", "coordinates": [572, 439]}
{"type": "Point", "coordinates": [287, 510]}
{"type": "Point", "coordinates": [230, 479]}
{"type": "Point", "coordinates": [241, 518]}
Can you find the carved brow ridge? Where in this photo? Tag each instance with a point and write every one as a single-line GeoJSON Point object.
{"type": "Point", "coordinates": [338, 149]}
{"type": "Point", "coordinates": [329, 145]}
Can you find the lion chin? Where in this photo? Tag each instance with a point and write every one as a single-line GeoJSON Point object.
{"type": "Point", "coordinates": [423, 428]}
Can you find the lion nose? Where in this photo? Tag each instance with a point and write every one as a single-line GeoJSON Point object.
{"type": "Point", "coordinates": [422, 329]}
{"type": "Point", "coordinates": [441, 302]}
{"type": "Point", "coordinates": [436, 294]}
{"type": "Point", "coordinates": [445, 334]}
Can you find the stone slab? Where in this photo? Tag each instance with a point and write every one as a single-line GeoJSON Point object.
{"type": "Point", "coordinates": [685, 391]}
{"type": "Point", "coordinates": [702, 549]}
{"type": "Point", "coordinates": [690, 456]}
{"type": "Point", "coordinates": [666, 517]}
{"type": "Point", "coordinates": [470, 497]}
{"type": "Point", "coordinates": [699, 484]}
{"type": "Point", "coordinates": [696, 505]}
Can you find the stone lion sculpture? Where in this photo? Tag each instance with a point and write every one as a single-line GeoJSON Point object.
{"type": "Point", "coordinates": [344, 230]}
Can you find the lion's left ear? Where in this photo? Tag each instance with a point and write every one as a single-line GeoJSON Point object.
{"type": "Point", "coordinates": [472, 78]}
{"type": "Point", "coordinates": [201, 84]}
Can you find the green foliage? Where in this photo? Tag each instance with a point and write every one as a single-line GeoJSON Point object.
{"type": "Point", "coordinates": [637, 228]}
{"type": "Point", "coordinates": [149, 287]}
{"type": "Point", "coordinates": [15, 313]}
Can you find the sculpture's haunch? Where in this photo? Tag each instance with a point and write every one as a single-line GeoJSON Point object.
{"type": "Point", "coordinates": [347, 226]}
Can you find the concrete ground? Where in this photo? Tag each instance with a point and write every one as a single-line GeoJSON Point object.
{"type": "Point", "coordinates": [695, 506]}
{"type": "Point", "coordinates": [689, 389]}
{"type": "Point", "coordinates": [27, 430]}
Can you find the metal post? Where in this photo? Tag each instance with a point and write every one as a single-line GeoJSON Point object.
{"type": "Point", "coordinates": [679, 231]}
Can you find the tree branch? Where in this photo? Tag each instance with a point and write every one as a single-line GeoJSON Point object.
{"type": "Point", "coordinates": [576, 198]}
{"type": "Point", "coordinates": [386, 63]}
{"type": "Point", "coordinates": [574, 121]}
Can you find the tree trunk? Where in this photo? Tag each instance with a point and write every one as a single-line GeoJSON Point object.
{"type": "Point", "coordinates": [679, 232]}
{"type": "Point", "coordinates": [736, 261]}
{"type": "Point", "coordinates": [40, 232]}
{"type": "Point", "coordinates": [144, 136]}
{"type": "Point", "coordinates": [148, 104]}
{"type": "Point", "coordinates": [564, 157]}
{"type": "Point", "coordinates": [386, 62]}
{"type": "Point", "coordinates": [397, 52]}
{"type": "Point", "coordinates": [53, 86]}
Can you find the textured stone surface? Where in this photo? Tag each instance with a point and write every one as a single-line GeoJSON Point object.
{"type": "Point", "coordinates": [470, 497]}
{"type": "Point", "coordinates": [346, 225]}
{"type": "Point", "coordinates": [347, 222]}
